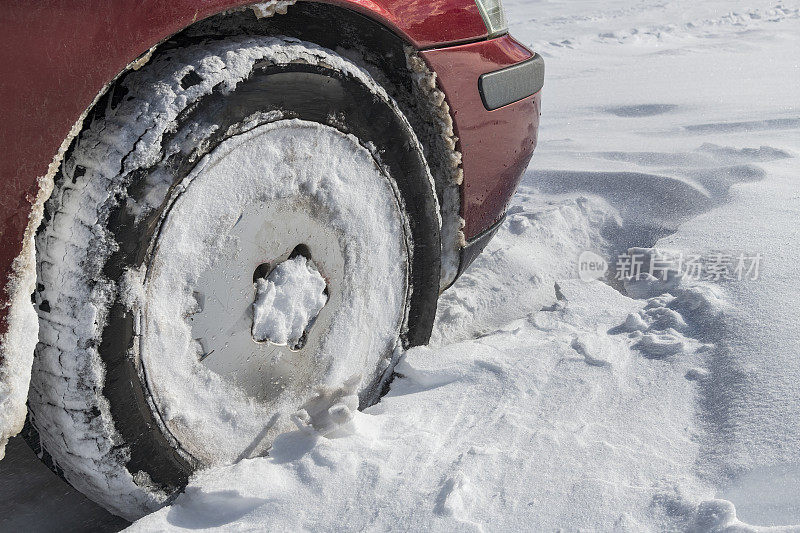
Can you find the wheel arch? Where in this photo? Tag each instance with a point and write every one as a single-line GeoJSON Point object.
{"type": "Point", "coordinates": [391, 31]}
{"type": "Point", "coordinates": [372, 33]}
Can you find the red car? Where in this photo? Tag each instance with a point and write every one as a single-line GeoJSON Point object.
{"type": "Point", "coordinates": [227, 220]}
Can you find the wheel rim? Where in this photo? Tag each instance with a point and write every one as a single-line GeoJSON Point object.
{"type": "Point", "coordinates": [259, 198]}
{"type": "Point", "coordinates": [269, 235]}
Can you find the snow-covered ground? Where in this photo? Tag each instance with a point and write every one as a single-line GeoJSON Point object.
{"type": "Point", "coordinates": [670, 137]}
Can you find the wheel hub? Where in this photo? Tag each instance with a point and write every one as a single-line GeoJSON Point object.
{"type": "Point", "coordinates": [223, 325]}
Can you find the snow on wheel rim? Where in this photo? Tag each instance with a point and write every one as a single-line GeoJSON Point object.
{"type": "Point", "coordinates": [282, 189]}
{"type": "Point", "coordinates": [91, 409]}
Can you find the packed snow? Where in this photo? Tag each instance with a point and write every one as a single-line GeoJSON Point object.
{"type": "Point", "coordinates": [625, 354]}
{"type": "Point", "coordinates": [287, 302]}
{"type": "Point", "coordinates": [16, 355]}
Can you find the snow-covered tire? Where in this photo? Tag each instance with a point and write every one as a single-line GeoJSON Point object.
{"type": "Point", "coordinates": [120, 404]}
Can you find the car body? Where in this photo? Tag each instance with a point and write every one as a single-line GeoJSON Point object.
{"type": "Point", "coordinates": [61, 56]}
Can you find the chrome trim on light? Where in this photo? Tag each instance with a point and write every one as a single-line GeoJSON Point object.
{"type": "Point", "coordinates": [511, 84]}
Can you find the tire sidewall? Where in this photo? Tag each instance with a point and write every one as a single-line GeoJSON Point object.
{"type": "Point", "coordinates": [271, 92]}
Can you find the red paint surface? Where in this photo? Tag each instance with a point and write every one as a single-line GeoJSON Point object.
{"type": "Point", "coordinates": [57, 55]}
{"type": "Point", "coordinates": [496, 145]}
{"type": "Point", "coordinates": [425, 23]}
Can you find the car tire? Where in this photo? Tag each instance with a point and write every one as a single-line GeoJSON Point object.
{"type": "Point", "coordinates": [147, 198]}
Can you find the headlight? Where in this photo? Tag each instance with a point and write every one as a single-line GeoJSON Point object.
{"type": "Point", "coordinates": [493, 16]}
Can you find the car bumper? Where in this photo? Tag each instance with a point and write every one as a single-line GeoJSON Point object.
{"type": "Point", "coordinates": [473, 248]}
{"type": "Point", "coordinates": [493, 88]}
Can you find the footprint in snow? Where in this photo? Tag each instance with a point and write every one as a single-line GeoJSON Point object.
{"type": "Point", "coordinates": [598, 350]}
{"type": "Point", "coordinates": [659, 345]}
{"type": "Point", "coordinates": [658, 330]}
{"type": "Point", "coordinates": [456, 497]}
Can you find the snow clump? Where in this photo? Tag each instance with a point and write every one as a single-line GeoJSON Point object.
{"type": "Point", "coordinates": [287, 302]}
